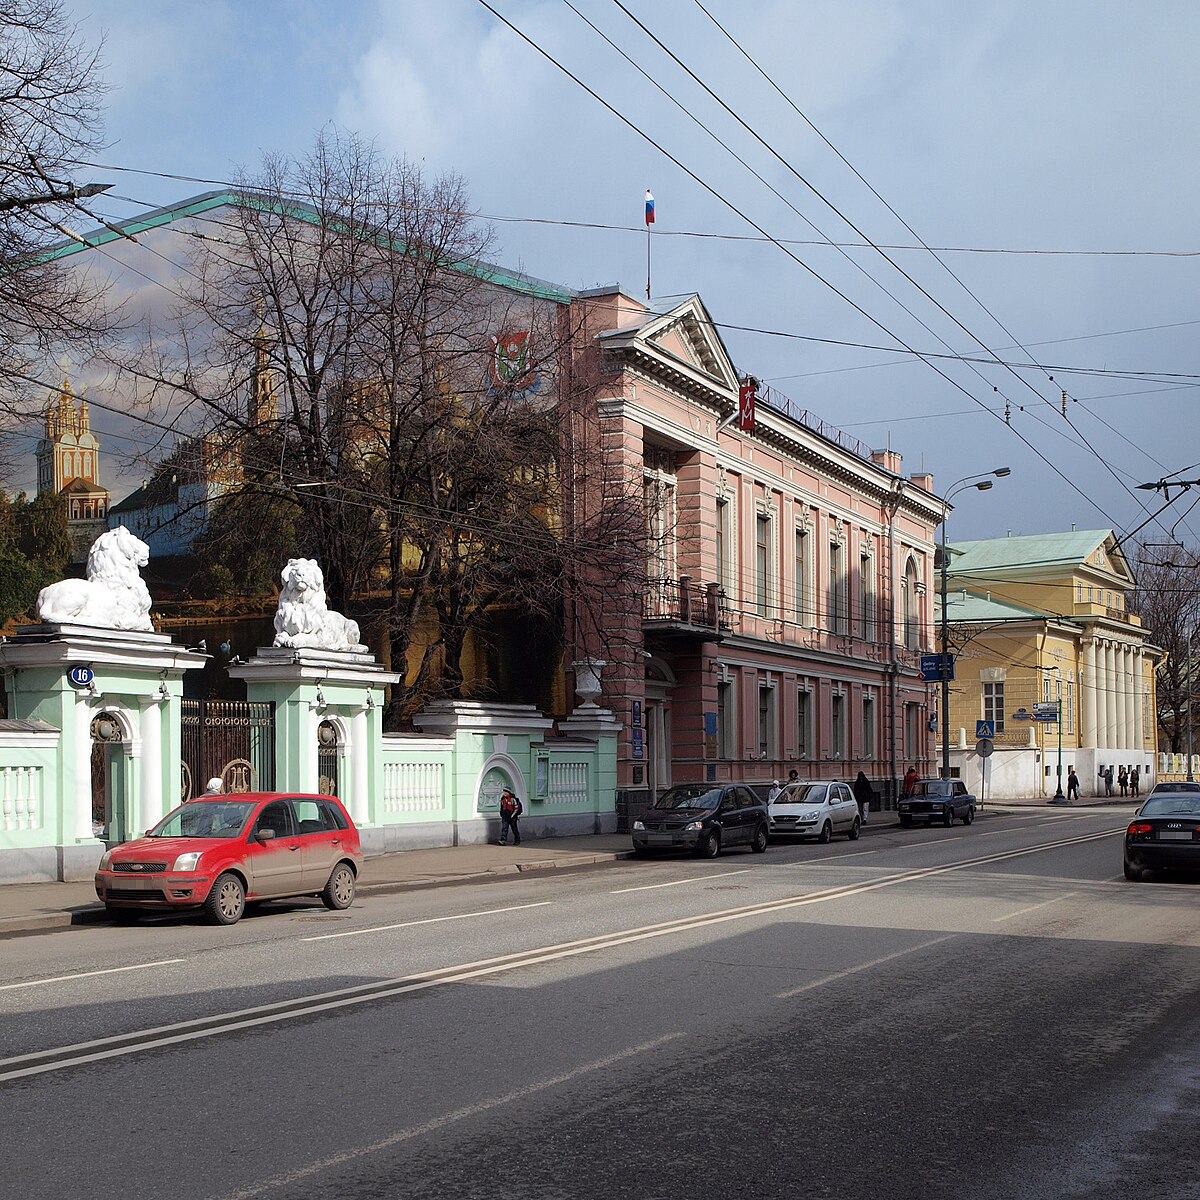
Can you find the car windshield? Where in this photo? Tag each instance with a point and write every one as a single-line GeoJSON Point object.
{"type": "Point", "coordinates": [205, 819]}
{"type": "Point", "coordinates": [678, 797]}
{"type": "Point", "coordinates": [804, 793]}
{"type": "Point", "coordinates": [1168, 804]}
{"type": "Point", "coordinates": [1176, 787]}
{"type": "Point", "coordinates": [934, 787]}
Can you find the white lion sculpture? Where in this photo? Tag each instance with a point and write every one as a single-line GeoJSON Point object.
{"type": "Point", "coordinates": [112, 596]}
{"type": "Point", "coordinates": [303, 620]}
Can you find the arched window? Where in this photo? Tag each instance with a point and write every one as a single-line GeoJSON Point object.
{"type": "Point", "coordinates": [911, 608]}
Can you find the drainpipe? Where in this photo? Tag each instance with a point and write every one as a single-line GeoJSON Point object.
{"type": "Point", "coordinates": [891, 505]}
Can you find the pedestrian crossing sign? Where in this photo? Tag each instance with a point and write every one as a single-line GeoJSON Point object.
{"type": "Point", "coordinates": [985, 729]}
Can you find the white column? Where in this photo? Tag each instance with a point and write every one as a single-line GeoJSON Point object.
{"type": "Point", "coordinates": [359, 754]}
{"type": "Point", "coordinates": [309, 770]}
{"type": "Point", "coordinates": [80, 821]}
{"type": "Point", "coordinates": [1089, 695]}
{"type": "Point", "coordinates": [1120, 680]}
{"type": "Point", "coordinates": [1138, 742]}
{"type": "Point", "coordinates": [1112, 734]}
{"type": "Point", "coordinates": [1132, 707]}
{"type": "Point", "coordinates": [152, 799]}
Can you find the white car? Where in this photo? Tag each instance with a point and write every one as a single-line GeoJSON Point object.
{"type": "Point", "coordinates": [815, 810]}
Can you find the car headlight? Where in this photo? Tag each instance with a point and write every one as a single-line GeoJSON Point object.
{"type": "Point", "coordinates": [187, 862]}
{"type": "Point", "coordinates": [105, 861]}
{"type": "Point", "coordinates": [639, 825]}
{"type": "Point", "coordinates": [693, 827]}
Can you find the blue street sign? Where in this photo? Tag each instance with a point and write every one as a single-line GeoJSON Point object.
{"type": "Point", "coordinates": [81, 677]}
{"type": "Point", "coordinates": [936, 667]}
{"type": "Point", "coordinates": [1051, 717]}
{"type": "Point", "coordinates": [985, 729]}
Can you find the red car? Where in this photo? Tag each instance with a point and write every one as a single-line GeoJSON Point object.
{"type": "Point", "coordinates": [217, 853]}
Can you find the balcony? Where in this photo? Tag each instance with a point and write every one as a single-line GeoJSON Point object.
{"type": "Point", "coordinates": [681, 609]}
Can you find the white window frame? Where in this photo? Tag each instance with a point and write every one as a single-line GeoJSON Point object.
{"type": "Point", "coordinates": [869, 718]}
{"type": "Point", "coordinates": [768, 748]}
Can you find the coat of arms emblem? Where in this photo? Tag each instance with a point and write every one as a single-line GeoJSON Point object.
{"type": "Point", "coordinates": [511, 365]}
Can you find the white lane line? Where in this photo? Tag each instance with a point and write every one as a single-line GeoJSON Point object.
{"type": "Point", "coordinates": [820, 862]}
{"type": "Point", "coordinates": [1034, 907]}
{"type": "Point", "coordinates": [487, 912]}
{"type": "Point", "coordinates": [164, 962]}
{"type": "Point", "coordinates": [954, 837]}
{"type": "Point", "coordinates": [875, 962]}
{"type": "Point", "coordinates": [450, 1118]}
{"type": "Point", "coordinates": [117, 1046]}
{"type": "Point", "coordinates": [648, 887]}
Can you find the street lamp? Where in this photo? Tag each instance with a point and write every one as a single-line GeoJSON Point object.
{"type": "Point", "coordinates": [1058, 797]}
{"type": "Point", "coordinates": [981, 483]}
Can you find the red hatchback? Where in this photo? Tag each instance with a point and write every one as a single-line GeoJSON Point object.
{"type": "Point", "coordinates": [218, 852]}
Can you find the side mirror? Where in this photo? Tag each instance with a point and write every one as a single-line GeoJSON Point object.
{"type": "Point", "coordinates": [264, 835]}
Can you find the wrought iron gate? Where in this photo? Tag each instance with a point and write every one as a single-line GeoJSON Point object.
{"type": "Point", "coordinates": [233, 740]}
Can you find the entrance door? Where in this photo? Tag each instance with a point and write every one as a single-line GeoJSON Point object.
{"type": "Point", "coordinates": [109, 818]}
{"type": "Point", "coordinates": [658, 746]}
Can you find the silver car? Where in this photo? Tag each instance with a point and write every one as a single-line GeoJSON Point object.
{"type": "Point", "coordinates": [816, 810]}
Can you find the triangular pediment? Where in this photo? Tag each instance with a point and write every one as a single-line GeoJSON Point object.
{"type": "Point", "coordinates": [685, 335]}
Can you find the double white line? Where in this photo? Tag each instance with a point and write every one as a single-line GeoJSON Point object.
{"type": "Point", "coordinates": [60, 1058]}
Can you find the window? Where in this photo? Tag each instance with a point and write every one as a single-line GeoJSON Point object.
{"type": "Point", "coordinates": [726, 547]}
{"type": "Point", "coordinates": [866, 597]}
{"type": "Point", "coordinates": [658, 491]}
{"type": "Point", "coordinates": [837, 725]}
{"type": "Point", "coordinates": [911, 608]}
{"type": "Point", "coordinates": [804, 613]}
{"type": "Point", "coordinates": [762, 562]}
{"type": "Point", "coordinates": [913, 733]}
{"type": "Point", "coordinates": [837, 589]}
{"type": "Point", "coordinates": [803, 723]}
{"type": "Point", "coordinates": [726, 733]}
{"type": "Point", "coordinates": [1070, 706]}
{"type": "Point", "coordinates": [766, 721]}
{"type": "Point", "coordinates": [993, 704]}
{"type": "Point", "coordinates": [868, 728]}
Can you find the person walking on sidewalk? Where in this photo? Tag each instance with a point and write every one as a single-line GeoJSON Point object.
{"type": "Point", "coordinates": [910, 780]}
{"type": "Point", "coordinates": [1135, 776]}
{"type": "Point", "coordinates": [863, 794]}
{"type": "Point", "coordinates": [1072, 785]}
{"type": "Point", "coordinates": [1108, 787]}
{"type": "Point", "coordinates": [511, 809]}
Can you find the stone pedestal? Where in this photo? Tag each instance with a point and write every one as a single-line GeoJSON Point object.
{"type": "Point", "coordinates": [341, 690]}
{"type": "Point", "coordinates": [133, 679]}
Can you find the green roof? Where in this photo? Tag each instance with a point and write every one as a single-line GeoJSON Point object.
{"type": "Point", "coordinates": [968, 608]}
{"type": "Point", "coordinates": [1029, 551]}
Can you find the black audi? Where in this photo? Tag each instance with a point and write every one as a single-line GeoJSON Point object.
{"type": "Point", "coordinates": [1165, 833]}
{"type": "Point", "coordinates": [703, 818]}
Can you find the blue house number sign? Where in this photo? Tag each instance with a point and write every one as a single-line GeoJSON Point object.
{"type": "Point", "coordinates": [81, 677]}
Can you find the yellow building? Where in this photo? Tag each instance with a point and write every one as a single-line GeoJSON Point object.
{"type": "Point", "coordinates": [1039, 619]}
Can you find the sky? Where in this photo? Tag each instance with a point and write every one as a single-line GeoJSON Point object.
{"type": "Point", "coordinates": [1049, 148]}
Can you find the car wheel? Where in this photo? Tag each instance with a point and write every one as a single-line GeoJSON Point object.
{"type": "Point", "coordinates": [906, 821]}
{"type": "Point", "coordinates": [1132, 873]}
{"type": "Point", "coordinates": [759, 845]}
{"type": "Point", "coordinates": [855, 830]}
{"type": "Point", "coordinates": [709, 845]}
{"type": "Point", "coordinates": [825, 834]}
{"type": "Point", "coordinates": [123, 916]}
{"type": "Point", "coordinates": [338, 892]}
{"type": "Point", "coordinates": [968, 816]}
{"type": "Point", "coordinates": [226, 900]}
{"type": "Point", "coordinates": [948, 817]}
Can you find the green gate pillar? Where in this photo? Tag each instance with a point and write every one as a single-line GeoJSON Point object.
{"type": "Point", "coordinates": [309, 686]}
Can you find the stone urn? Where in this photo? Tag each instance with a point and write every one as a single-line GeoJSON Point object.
{"type": "Point", "coordinates": [587, 679]}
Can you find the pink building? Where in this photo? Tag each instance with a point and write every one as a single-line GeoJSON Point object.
{"type": "Point", "coordinates": [790, 572]}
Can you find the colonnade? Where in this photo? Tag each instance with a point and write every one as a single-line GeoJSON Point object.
{"type": "Point", "coordinates": [1112, 695]}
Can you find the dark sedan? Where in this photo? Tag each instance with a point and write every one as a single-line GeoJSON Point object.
{"type": "Point", "coordinates": [1165, 833]}
{"type": "Point", "coordinates": [940, 800]}
{"type": "Point", "coordinates": [703, 818]}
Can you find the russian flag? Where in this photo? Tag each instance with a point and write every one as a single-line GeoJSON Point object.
{"type": "Point", "coordinates": [649, 208]}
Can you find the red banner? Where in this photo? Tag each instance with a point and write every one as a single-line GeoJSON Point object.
{"type": "Point", "coordinates": [745, 419]}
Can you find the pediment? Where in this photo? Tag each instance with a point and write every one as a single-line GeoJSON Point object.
{"type": "Point", "coordinates": [686, 335]}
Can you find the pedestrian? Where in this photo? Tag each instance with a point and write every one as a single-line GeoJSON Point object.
{"type": "Point", "coordinates": [1135, 776]}
{"type": "Point", "coordinates": [1108, 787]}
{"type": "Point", "coordinates": [773, 792]}
{"type": "Point", "coordinates": [214, 787]}
{"type": "Point", "coordinates": [910, 780]}
{"type": "Point", "coordinates": [793, 776]}
{"type": "Point", "coordinates": [863, 793]}
{"type": "Point", "coordinates": [1072, 785]}
{"type": "Point", "coordinates": [1123, 780]}
{"type": "Point", "coordinates": [511, 809]}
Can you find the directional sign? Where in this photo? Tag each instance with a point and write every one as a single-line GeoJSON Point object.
{"type": "Point", "coordinates": [985, 729]}
{"type": "Point", "coordinates": [1022, 714]}
{"type": "Point", "coordinates": [936, 667]}
{"type": "Point", "coordinates": [1048, 708]}
{"type": "Point", "coordinates": [1050, 717]}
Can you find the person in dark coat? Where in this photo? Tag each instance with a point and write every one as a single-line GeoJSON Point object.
{"type": "Point", "coordinates": [511, 809]}
{"type": "Point", "coordinates": [863, 793]}
{"type": "Point", "coordinates": [1072, 785]}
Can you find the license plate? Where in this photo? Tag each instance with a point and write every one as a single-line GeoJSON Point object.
{"type": "Point", "coordinates": [661, 839]}
{"type": "Point", "coordinates": [1174, 835]}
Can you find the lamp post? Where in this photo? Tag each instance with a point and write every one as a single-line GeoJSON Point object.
{"type": "Point", "coordinates": [981, 483]}
{"type": "Point", "coordinates": [1058, 797]}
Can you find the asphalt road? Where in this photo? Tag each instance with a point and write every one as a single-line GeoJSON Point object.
{"type": "Point", "coordinates": [977, 1012]}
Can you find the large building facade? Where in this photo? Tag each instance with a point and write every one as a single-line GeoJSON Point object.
{"type": "Point", "coordinates": [1040, 619]}
{"type": "Point", "coordinates": [788, 572]}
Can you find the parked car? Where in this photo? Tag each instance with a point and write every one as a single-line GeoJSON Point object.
{"type": "Point", "coordinates": [1165, 832]}
{"type": "Point", "coordinates": [218, 853]}
{"type": "Point", "coordinates": [938, 799]}
{"type": "Point", "coordinates": [816, 810]}
{"type": "Point", "coordinates": [704, 818]}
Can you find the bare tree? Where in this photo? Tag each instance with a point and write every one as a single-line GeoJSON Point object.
{"type": "Point", "coordinates": [50, 93]}
{"type": "Point", "coordinates": [1167, 599]}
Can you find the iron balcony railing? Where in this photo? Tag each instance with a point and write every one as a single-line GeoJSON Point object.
{"type": "Point", "coordinates": [685, 602]}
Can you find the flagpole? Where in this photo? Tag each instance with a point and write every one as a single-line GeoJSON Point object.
{"type": "Point", "coordinates": [649, 226]}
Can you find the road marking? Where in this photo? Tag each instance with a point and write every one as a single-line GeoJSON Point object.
{"type": "Point", "coordinates": [647, 887]}
{"type": "Point", "coordinates": [1033, 907]}
{"type": "Point", "coordinates": [117, 1046]}
{"type": "Point", "coordinates": [164, 962]}
{"type": "Point", "coordinates": [450, 1118]}
{"type": "Point", "coordinates": [954, 837]}
{"type": "Point", "coordinates": [875, 962]}
{"type": "Point", "coordinates": [820, 862]}
{"type": "Point", "coordinates": [488, 912]}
